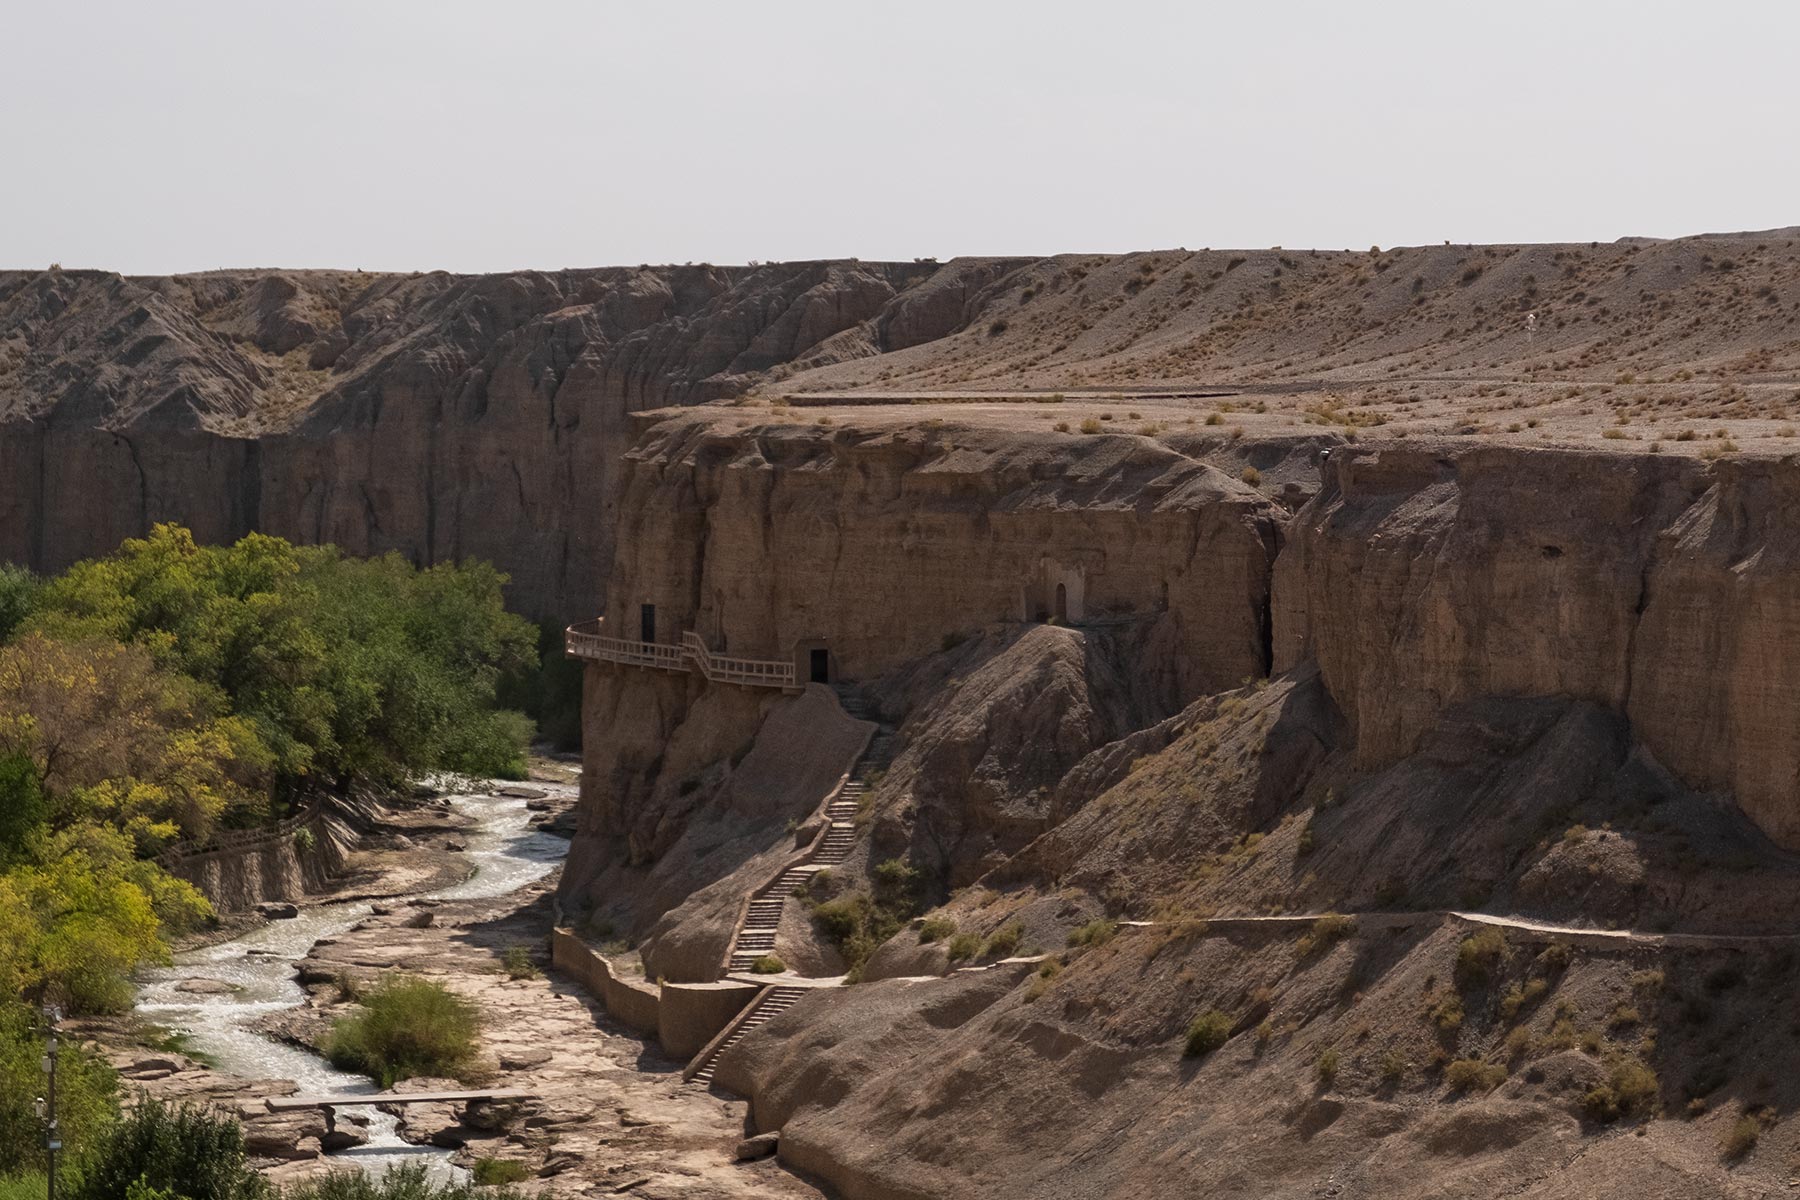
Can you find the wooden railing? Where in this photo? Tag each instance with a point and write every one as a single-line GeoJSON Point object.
{"type": "Point", "coordinates": [588, 640]}
{"type": "Point", "coordinates": [752, 672]}
{"type": "Point", "coordinates": [241, 839]}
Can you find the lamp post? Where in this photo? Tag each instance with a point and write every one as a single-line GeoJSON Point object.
{"type": "Point", "coordinates": [47, 1108]}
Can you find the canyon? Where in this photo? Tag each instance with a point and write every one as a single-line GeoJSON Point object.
{"type": "Point", "coordinates": [1283, 723]}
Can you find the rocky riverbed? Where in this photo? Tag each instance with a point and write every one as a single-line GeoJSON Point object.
{"type": "Point", "coordinates": [442, 890]}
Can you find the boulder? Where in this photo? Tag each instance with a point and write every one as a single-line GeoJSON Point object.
{"type": "Point", "coordinates": [523, 1060]}
{"type": "Point", "coordinates": [760, 1146]}
{"type": "Point", "coordinates": [278, 910]}
{"type": "Point", "coordinates": [206, 987]}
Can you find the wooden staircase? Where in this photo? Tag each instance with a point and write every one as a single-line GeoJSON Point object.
{"type": "Point", "coordinates": [771, 1004]}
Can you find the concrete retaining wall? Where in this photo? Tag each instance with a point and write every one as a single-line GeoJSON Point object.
{"type": "Point", "coordinates": [632, 1003]}
{"type": "Point", "coordinates": [693, 1013]}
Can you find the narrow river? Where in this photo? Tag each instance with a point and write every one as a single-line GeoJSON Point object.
{"type": "Point", "coordinates": [507, 854]}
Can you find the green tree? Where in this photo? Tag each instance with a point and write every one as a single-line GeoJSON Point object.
{"type": "Point", "coordinates": [113, 736]}
{"type": "Point", "coordinates": [188, 1150]}
{"type": "Point", "coordinates": [86, 1092]}
{"type": "Point", "coordinates": [343, 667]}
{"type": "Point", "coordinates": [23, 812]}
{"type": "Point", "coordinates": [83, 914]}
{"type": "Point", "coordinates": [18, 587]}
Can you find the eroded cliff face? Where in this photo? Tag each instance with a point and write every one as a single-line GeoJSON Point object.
{"type": "Point", "coordinates": [1426, 575]}
{"type": "Point", "coordinates": [439, 416]}
{"type": "Point", "coordinates": [883, 545]}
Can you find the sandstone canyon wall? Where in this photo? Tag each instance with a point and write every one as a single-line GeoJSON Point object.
{"type": "Point", "coordinates": [438, 416]}
{"type": "Point", "coordinates": [1663, 589]}
{"type": "Point", "coordinates": [884, 545]}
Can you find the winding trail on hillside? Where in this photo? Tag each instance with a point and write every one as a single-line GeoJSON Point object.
{"type": "Point", "coordinates": [1403, 919]}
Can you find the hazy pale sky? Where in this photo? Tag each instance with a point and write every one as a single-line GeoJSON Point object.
{"type": "Point", "coordinates": [477, 136]}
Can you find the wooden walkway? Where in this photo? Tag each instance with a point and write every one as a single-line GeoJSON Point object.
{"type": "Point", "coordinates": [588, 640]}
{"type": "Point", "coordinates": [346, 1100]}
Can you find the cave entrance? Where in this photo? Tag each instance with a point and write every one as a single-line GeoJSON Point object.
{"type": "Point", "coordinates": [647, 622]}
{"type": "Point", "coordinates": [819, 665]}
{"type": "Point", "coordinates": [1062, 604]}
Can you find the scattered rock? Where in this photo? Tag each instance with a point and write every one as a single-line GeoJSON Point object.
{"type": "Point", "coordinates": [492, 1116]}
{"type": "Point", "coordinates": [381, 910]}
{"type": "Point", "coordinates": [291, 1136]}
{"type": "Point", "coordinates": [346, 1131]}
{"type": "Point", "coordinates": [455, 846]}
{"type": "Point", "coordinates": [760, 1146]}
{"type": "Point", "coordinates": [523, 1060]}
{"type": "Point", "coordinates": [276, 910]}
{"type": "Point", "coordinates": [521, 793]}
{"type": "Point", "coordinates": [206, 987]}
{"type": "Point", "coordinates": [420, 920]}
{"type": "Point", "coordinates": [150, 1068]}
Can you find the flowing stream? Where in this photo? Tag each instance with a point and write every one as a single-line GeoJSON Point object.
{"type": "Point", "coordinates": [507, 853]}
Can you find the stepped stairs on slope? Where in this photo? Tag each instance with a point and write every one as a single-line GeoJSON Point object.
{"type": "Point", "coordinates": [771, 1004]}
{"type": "Point", "coordinates": [756, 937]}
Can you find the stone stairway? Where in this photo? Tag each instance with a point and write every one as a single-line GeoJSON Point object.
{"type": "Point", "coordinates": [756, 937]}
{"type": "Point", "coordinates": [773, 1003]}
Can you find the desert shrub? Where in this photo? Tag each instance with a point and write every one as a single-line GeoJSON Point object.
{"type": "Point", "coordinates": [1519, 997]}
{"type": "Point", "coordinates": [1479, 957]}
{"type": "Point", "coordinates": [1393, 1067]}
{"type": "Point", "coordinates": [1047, 971]}
{"type": "Point", "coordinates": [936, 929]}
{"type": "Point", "coordinates": [839, 918]}
{"type": "Point", "coordinates": [895, 878]}
{"type": "Point", "coordinates": [1472, 1074]}
{"type": "Point", "coordinates": [516, 962]}
{"type": "Point", "coordinates": [1741, 1138]}
{"type": "Point", "coordinates": [1556, 956]}
{"type": "Point", "coordinates": [768, 964]}
{"type": "Point", "coordinates": [1630, 1090]}
{"type": "Point", "coordinates": [1447, 1013]}
{"type": "Point", "coordinates": [1004, 942]}
{"type": "Point", "coordinates": [188, 1151]}
{"type": "Point", "coordinates": [404, 1182]}
{"type": "Point", "coordinates": [408, 1027]}
{"type": "Point", "coordinates": [1097, 932]}
{"type": "Point", "coordinates": [1326, 1069]}
{"type": "Point", "coordinates": [858, 924]}
{"type": "Point", "coordinates": [488, 1172]}
{"type": "Point", "coordinates": [1251, 476]}
{"type": "Point", "coordinates": [1208, 1031]}
{"type": "Point", "coordinates": [1326, 932]}
{"type": "Point", "coordinates": [1090, 425]}
{"type": "Point", "coordinates": [964, 945]}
